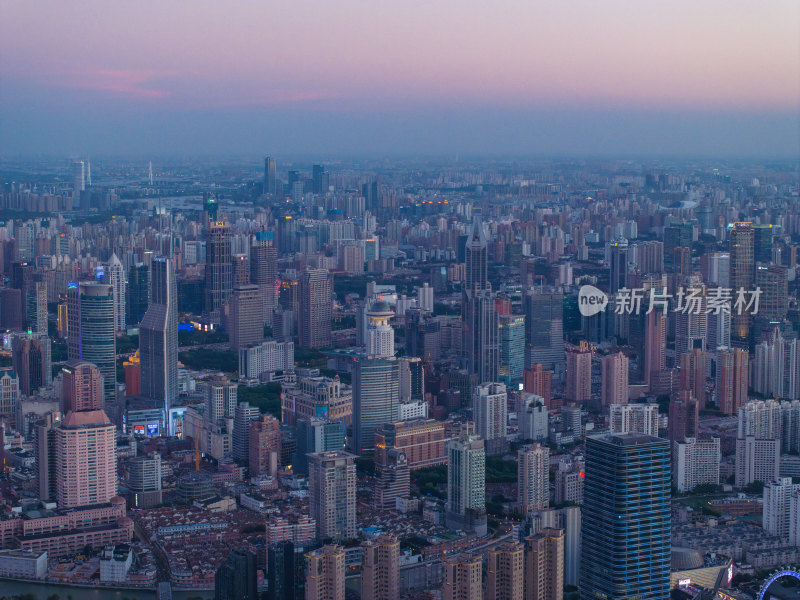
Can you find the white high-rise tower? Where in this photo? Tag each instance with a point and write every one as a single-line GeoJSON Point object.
{"type": "Point", "coordinates": [380, 335]}
{"type": "Point", "coordinates": [116, 277]}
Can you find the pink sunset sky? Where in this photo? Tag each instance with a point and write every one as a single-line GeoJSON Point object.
{"type": "Point", "coordinates": [214, 62]}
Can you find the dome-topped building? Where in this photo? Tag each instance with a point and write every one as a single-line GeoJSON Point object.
{"type": "Point", "coordinates": [380, 334]}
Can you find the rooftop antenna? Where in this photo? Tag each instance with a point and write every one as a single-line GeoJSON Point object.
{"type": "Point", "coordinates": [150, 173]}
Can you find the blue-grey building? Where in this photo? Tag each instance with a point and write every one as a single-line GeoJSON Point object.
{"type": "Point", "coordinates": [626, 518]}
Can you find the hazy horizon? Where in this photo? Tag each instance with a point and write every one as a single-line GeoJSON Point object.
{"type": "Point", "coordinates": [356, 78]}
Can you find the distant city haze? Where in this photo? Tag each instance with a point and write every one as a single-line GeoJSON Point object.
{"type": "Point", "coordinates": [442, 77]}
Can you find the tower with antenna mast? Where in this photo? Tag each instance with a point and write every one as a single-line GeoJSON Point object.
{"type": "Point", "coordinates": [150, 173]}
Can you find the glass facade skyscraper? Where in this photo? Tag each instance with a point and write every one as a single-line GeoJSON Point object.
{"type": "Point", "coordinates": [376, 393]}
{"type": "Point", "coordinates": [626, 518]}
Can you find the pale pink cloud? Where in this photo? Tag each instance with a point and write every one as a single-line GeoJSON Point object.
{"type": "Point", "coordinates": [133, 83]}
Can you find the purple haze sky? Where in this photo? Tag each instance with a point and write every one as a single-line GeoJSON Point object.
{"type": "Point", "coordinates": [355, 77]}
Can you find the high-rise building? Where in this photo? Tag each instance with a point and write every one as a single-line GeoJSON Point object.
{"type": "Point", "coordinates": [758, 442]}
{"type": "Point", "coordinates": [86, 459]}
{"type": "Point", "coordinates": [742, 260]}
{"type": "Point", "coordinates": [221, 396]}
{"type": "Point", "coordinates": [544, 565]}
{"type": "Point", "coordinates": [325, 571]}
{"type": "Point", "coordinates": [421, 440]}
{"type": "Point", "coordinates": [614, 379]}
{"type": "Point", "coordinates": [695, 462]}
{"type": "Point", "coordinates": [533, 478]}
{"type": "Point", "coordinates": [158, 338]}
{"type": "Point", "coordinates": [480, 330]}
{"type": "Point", "coordinates": [634, 418]}
{"type": "Point", "coordinates": [245, 318]}
{"type": "Point", "coordinates": [115, 277]}
{"type": "Point", "coordinates": [777, 498]}
{"type": "Point", "coordinates": [91, 331]}
{"type": "Point", "coordinates": [466, 484]}
{"type": "Point", "coordinates": [30, 358]}
{"type": "Point", "coordinates": [286, 571]}
{"type": "Point", "coordinates": [9, 395]}
{"type": "Point", "coordinates": [270, 177]}
{"type": "Point", "coordinates": [684, 417]}
{"type": "Point", "coordinates": [265, 446]}
{"type": "Point", "coordinates": [505, 572]}
{"type": "Point", "coordinates": [379, 334]}
{"type": "Point", "coordinates": [532, 417]}
{"type": "Point", "coordinates": [244, 415]}
{"type": "Point", "coordinates": [81, 386]}
{"type": "Point", "coordinates": [462, 577]}
{"type": "Point", "coordinates": [376, 394]}
{"type": "Point", "coordinates": [144, 481]}
{"type": "Point", "coordinates": [332, 492]}
{"type": "Point", "coordinates": [264, 271]}
{"type": "Point", "coordinates": [219, 269]}
{"type": "Point", "coordinates": [579, 373]}
{"type": "Point", "coordinates": [544, 325]}
{"type": "Point", "coordinates": [316, 435]}
{"type": "Point", "coordinates": [773, 281]}
{"type": "Point", "coordinates": [46, 458]}
{"type": "Point", "coordinates": [315, 309]}
{"type": "Point", "coordinates": [626, 518]}
{"type": "Point", "coordinates": [240, 265]}
{"type": "Point", "coordinates": [138, 297]}
{"type": "Point", "coordinates": [618, 265]}
{"type": "Point", "coordinates": [693, 375]}
{"type": "Point", "coordinates": [490, 412]}
{"type": "Point", "coordinates": [237, 577]}
{"type": "Point", "coordinates": [512, 349]}
{"type": "Point", "coordinates": [380, 568]}
{"type": "Point", "coordinates": [732, 369]}
{"type": "Point", "coordinates": [477, 278]}
{"type": "Point", "coordinates": [395, 480]}
{"type": "Point", "coordinates": [655, 344]}
{"type": "Point", "coordinates": [412, 379]}
{"type": "Point", "coordinates": [538, 381]}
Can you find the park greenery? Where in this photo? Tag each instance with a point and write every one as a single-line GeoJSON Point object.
{"type": "Point", "coordinates": [266, 397]}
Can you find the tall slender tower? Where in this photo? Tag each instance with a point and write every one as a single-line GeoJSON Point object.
{"type": "Point", "coordinates": [332, 494]}
{"type": "Point", "coordinates": [158, 338]}
{"type": "Point", "coordinates": [316, 308]}
{"type": "Point", "coordinates": [466, 484]}
{"type": "Point", "coordinates": [115, 276]}
{"type": "Point", "coordinates": [219, 268]}
{"type": "Point", "coordinates": [544, 565]}
{"type": "Point", "coordinates": [477, 277]}
{"type": "Point", "coordinates": [615, 379]}
{"type": "Point", "coordinates": [380, 334]}
{"type": "Point", "coordinates": [91, 331]}
{"type": "Point", "coordinates": [263, 271]}
{"type": "Point", "coordinates": [655, 344]}
{"type": "Point", "coordinates": [376, 394]}
{"type": "Point", "coordinates": [626, 518]}
{"type": "Point", "coordinates": [270, 177]}
{"type": "Point", "coordinates": [742, 244]}
{"type": "Point", "coordinates": [533, 478]}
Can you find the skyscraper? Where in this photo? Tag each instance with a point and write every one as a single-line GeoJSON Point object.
{"type": "Point", "coordinates": [742, 241]}
{"type": "Point", "coordinates": [158, 338]}
{"type": "Point", "coordinates": [380, 568]}
{"type": "Point", "coordinates": [655, 344]}
{"type": "Point", "coordinates": [316, 435]}
{"type": "Point", "coordinates": [237, 577]}
{"type": "Point", "coordinates": [115, 277]}
{"type": "Point", "coordinates": [332, 494]}
{"type": "Point", "coordinates": [579, 373]}
{"type": "Point", "coordinates": [618, 265]}
{"type": "Point", "coordinates": [533, 478]}
{"type": "Point", "coordinates": [505, 568]}
{"type": "Point", "coordinates": [86, 459]}
{"type": "Point", "coordinates": [544, 565]}
{"type": "Point", "coordinates": [512, 349]}
{"type": "Point", "coordinates": [325, 570]}
{"type": "Point", "coordinates": [395, 480]}
{"type": "Point", "coordinates": [626, 518]}
{"type": "Point", "coordinates": [81, 386]}
{"type": "Point", "coordinates": [634, 418]}
{"type": "Point", "coordinates": [30, 358]}
{"type": "Point", "coordinates": [91, 331]}
{"type": "Point", "coordinates": [477, 278]}
{"type": "Point", "coordinates": [466, 484]}
{"type": "Point", "coordinates": [376, 394]}
{"type": "Point", "coordinates": [219, 269]}
{"type": "Point", "coordinates": [615, 379]}
{"type": "Point", "coordinates": [144, 480]}
{"type": "Point", "coordinates": [265, 446]}
{"type": "Point", "coordinates": [245, 320]}
{"type": "Point", "coordinates": [693, 374]}
{"type": "Point", "coordinates": [379, 334]}
{"type": "Point", "coordinates": [730, 389]}
{"type": "Point", "coordinates": [286, 571]}
{"type": "Point", "coordinates": [481, 335]}
{"type": "Point", "coordinates": [9, 395]}
{"type": "Point", "coordinates": [490, 412]}
{"type": "Point", "coordinates": [221, 397]}
{"type": "Point", "coordinates": [244, 415]}
{"type": "Point", "coordinates": [538, 381]}
{"type": "Point", "coordinates": [684, 416]}
{"type": "Point", "coordinates": [46, 456]}
{"type": "Point", "coordinates": [270, 177]}
{"type": "Point", "coordinates": [263, 271]}
{"type": "Point", "coordinates": [138, 292]}
{"type": "Point", "coordinates": [316, 308]}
